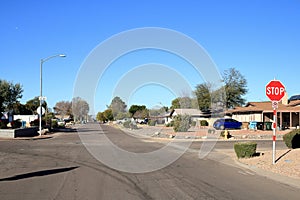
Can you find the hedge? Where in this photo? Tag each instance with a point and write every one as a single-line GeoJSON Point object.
{"type": "Point", "coordinates": [245, 149]}
{"type": "Point", "coordinates": [292, 139]}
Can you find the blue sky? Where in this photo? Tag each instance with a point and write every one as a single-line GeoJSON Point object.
{"type": "Point", "coordinates": [260, 38]}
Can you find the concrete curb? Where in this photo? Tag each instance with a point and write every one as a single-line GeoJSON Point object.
{"type": "Point", "coordinates": [42, 137]}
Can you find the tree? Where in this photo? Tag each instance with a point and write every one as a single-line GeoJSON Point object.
{"type": "Point", "coordinates": [117, 106]}
{"type": "Point", "coordinates": [141, 114]}
{"type": "Point", "coordinates": [158, 112]}
{"type": "Point", "coordinates": [134, 108]}
{"type": "Point", "coordinates": [9, 94]}
{"type": "Point", "coordinates": [175, 104]}
{"type": "Point", "coordinates": [63, 108]}
{"type": "Point", "coordinates": [100, 117]}
{"type": "Point", "coordinates": [203, 95]}
{"type": "Point", "coordinates": [21, 109]}
{"type": "Point", "coordinates": [108, 114]}
{"type": "Point", "coordinates": [34, 103]}
{"type": "Point", "coordinates": [182, 102]}
{"type": "Point", "coordinates": [122, 116]}
{"type": "Point", "coordinates": [235, 88]}
{"type": "Point", "coordinates": [80, 108]}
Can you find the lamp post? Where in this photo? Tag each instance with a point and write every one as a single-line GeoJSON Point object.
{"type": "Point", "coordinates": [41, 84]}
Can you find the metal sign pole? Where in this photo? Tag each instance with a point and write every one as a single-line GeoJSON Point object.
{"type": "Point", "coordinates": [274, 134]}
{"type": "Point", "coordinates": [275, 90]}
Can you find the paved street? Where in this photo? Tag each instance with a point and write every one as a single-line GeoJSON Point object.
{"type": "Point", "coordinates": [61, 168]}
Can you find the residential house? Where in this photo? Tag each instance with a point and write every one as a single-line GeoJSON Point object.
{"type": "Point", "coordinates": [288, 113]}
{"type": "Point", "coordinates": [195, 114]}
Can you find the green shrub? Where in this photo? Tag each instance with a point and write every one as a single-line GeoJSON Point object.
{"type": "Point", "coordinates": [181, 123]}
{"type": "Point", "coordinates": [129, 124]}
{"type": "Point", "coordinates": [170, 124]}
{"type": "Point", "coordinates": [292, 139]}
{"type": "Point", "coordinates": [203, 123]}
{"type": "Point", "coordinates": [16, 124]}
{"type": "Point", "coordinates": [211, 131]}
{"type": "Point", "coordinates": [3, 124]}
{"type": "Point", "coordinates": [126, 124]}
{"type": "Point", "coordinates": [54, 123]}
{"type": "Point", "coordinates": [245, 149]}
{"type": "Point", "coordinates": [61, 124]}
{"type": "Point", "coordinates": [193, 123]}
{"type": "Point", "coordinates": [152, 122]}
{"type": "Point", "coordinates": [133, 125]}
{"type": "Point", "coordinates": [36, 122]}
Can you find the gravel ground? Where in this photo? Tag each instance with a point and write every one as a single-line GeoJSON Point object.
{"type": "Point", "coordinates": [287, 162]}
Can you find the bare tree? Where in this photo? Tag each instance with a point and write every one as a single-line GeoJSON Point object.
{"type": "Point", "coordinates": [235, 88]}
{"type": "Point", "coordinates": [63, 108]}
{"type": "Point", "coordinates": [80, 109]}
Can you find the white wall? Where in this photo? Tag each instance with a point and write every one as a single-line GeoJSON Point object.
{"type": "Point", "coordinates": [26, 118]}
{"type": "Point", "coordinates": [248, 117]}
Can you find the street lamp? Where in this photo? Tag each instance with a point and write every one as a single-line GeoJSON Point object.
{"type": "Point", "coordinates": [41, 94]}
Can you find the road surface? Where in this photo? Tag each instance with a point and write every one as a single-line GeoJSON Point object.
{"type": "Point", "coordinates": [61, 168]}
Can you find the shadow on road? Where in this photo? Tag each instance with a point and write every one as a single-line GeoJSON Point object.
{"type": "Point", "coordinates": [38, 173]}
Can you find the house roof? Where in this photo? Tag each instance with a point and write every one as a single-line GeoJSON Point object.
{"type": "Point", "coordinates": [294, 103]}
{"type": "Point", "coordinates": [187, 111]}
{"type": "Point", "coordinates": [266, 106]}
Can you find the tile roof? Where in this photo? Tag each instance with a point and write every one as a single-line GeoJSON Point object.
{"type": "Point", "coordinates": [266, 106]}
{"type": "Point", "coordinates": [294, 103]}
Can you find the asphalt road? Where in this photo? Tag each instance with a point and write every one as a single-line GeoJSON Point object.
{"type": "Point", "coordinates": [61, 168]}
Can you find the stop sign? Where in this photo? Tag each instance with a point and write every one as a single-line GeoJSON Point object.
{"type": "Point", "coordinates": [275, 90]}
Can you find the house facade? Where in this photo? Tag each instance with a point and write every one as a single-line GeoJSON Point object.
{"type": "Point", "coordinates": [288, 113]}
{"type": "Point", "coordinates": [195, 114]}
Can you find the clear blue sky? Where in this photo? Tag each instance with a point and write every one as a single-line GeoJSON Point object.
{"type": "Point", "coordinates": [260, 38]}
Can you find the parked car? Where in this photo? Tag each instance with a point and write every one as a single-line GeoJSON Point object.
{"type": "Point", "coordinates": [121, 121]}
{"type": "Point", "coordinates": [225, 123]}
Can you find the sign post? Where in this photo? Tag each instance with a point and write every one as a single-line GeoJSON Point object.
{"type": "Point", "coordinates": [275, 90]}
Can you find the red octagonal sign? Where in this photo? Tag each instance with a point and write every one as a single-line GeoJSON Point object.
{"type": "Point", "coordinates": [275, 90]}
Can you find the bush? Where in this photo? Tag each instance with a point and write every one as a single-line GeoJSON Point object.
{"type": "Point", "coordinates": [245, 149]}
{"type": "Point", "coordinates": [126, 124]}
{"type": "Point", "coordinates": [61, 125]}
{"type": "Point", "coordinates": [171, 124]}
{"type": "Point", "coordinates": [129, 124]}
{"type": "Point", "coordinates": [152, 122]}
{"type": "Point", "coordinates": [16, 124]}
{"type": "Point", "coordinates": [211, 131]}
{"type": "Point", "coordinates": [3, 124]}
{"type": "Point", "coordinates": [133, 125]}
{"type": "Point", "coordinates": [193, 123]}
{"type": "Point", "coordinates": [292, 139]}
{"type": "Point", "coordinates": [36, 122]}
{"type": "Point", "coordinates": [54, 123]}
{"type": "Point", "coordinates": [181, 123]}
{"type": "Point", "coordinates": [203, 123]}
